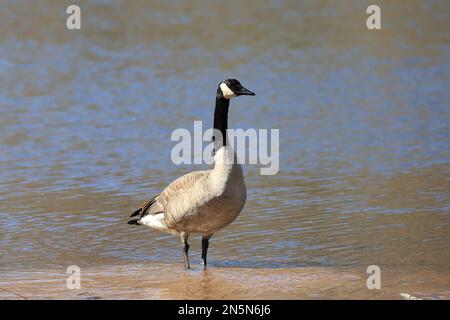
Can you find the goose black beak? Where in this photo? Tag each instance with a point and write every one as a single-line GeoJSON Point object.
{"type": "Point", "coordinates": [245, 92]}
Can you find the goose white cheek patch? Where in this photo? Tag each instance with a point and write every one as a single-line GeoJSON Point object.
{"type": "Point", "coordinates": [227, 92]}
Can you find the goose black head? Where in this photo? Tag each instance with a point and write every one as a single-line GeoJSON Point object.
{"type": "Point", "coordinates": [231, 88]}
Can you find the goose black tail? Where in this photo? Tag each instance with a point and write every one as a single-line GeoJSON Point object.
{"type": "Point", "coordinates": [135, 221]}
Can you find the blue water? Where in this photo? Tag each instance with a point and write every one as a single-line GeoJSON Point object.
{"type": "Point", "coordinates": [86, 119]}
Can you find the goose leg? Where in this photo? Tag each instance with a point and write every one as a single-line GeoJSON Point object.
{"type": "Point", "coordinates": [184, 239]}
{"type": "Point", "coordinates": [205, 245]}
{"type": "Point", "coordinates": [187, 266]}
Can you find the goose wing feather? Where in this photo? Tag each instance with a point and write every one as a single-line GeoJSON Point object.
{"type": "Point", "coordinates": [145, 206]}
{"type": "Point", "coordinates": [180, 198]}
{"type": "Point", "coordinates": [183, 197]}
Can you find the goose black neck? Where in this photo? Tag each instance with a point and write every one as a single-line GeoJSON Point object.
{"type": "Point", "coordinates": [221, 120]}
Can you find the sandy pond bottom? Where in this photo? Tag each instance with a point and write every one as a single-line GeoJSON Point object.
{"type": "Point", "coordinates": [166, 281]}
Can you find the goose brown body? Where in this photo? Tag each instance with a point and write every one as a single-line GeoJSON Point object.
{"type": "Point", "coordinates": [200, 202]}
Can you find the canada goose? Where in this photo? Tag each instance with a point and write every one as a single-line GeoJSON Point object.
{"type": "Point", "coordinates": [202, 202]}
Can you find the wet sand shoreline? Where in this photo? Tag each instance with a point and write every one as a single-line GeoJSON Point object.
{"type": "Point", "coordinates": [170, 281]}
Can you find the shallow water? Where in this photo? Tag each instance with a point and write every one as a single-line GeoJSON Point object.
{"type": "Point", "coordinates": [85, 124]}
